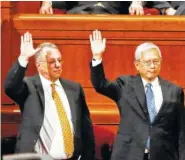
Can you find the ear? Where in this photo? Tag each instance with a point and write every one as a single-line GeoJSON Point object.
{"type": "Point", "coordinates": [37, 64]}
{"type": "Point", "coordinates": [136, 65]}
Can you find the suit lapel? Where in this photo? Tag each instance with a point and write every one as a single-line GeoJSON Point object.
{"type": "Point", "coordinates": [40, 90]}
{"type": "Point", "coordinates": [140, 94]}
{"type": "Point", "coordinates": [166, 93]}
{"type": "Point", "coordinates": [38, 85]}
{"type": "Point", "coordinates": [139, 97]}
{"type": "Point", "coordinates": [136, 96]}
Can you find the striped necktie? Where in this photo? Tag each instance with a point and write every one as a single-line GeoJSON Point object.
{"type": "Point", "coordinates": [151, 107]}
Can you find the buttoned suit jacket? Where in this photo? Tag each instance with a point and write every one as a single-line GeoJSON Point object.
{"type": "Point", "coordinates": [28, 93]}
{"type": "Point", "coordinates": [167, 131]}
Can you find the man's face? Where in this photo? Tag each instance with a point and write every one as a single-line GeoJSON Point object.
{"type": "Point", "coordinates": [149, 64]}
{"type": "Point", "coordinates": [51, 69]}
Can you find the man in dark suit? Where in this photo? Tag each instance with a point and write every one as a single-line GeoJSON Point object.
{"type": "Point", "coordinates": [168, 7]}
{"type": "Point", "coordinates": [93, 7]}
{"type": "Point", "coordinates": [55, 117]}
{"type": "Point", "coordinates": [152, 124]}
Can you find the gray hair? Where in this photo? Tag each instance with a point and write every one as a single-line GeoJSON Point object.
{"type": "Point", "coordinates": [46, 48]}
{"type": "Point", "coordinates": [145, 46]}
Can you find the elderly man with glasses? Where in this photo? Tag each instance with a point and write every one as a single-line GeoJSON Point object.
{"type": "Point", "coordinates": [152, 122]}
{"type": "Point", "coordinates": [55, 117]}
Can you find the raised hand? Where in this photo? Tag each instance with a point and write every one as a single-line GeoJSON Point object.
{"type": "Point", "coordinates": [46, 8]}
{"type": "Point", "coordinates": [26, 48]}
{"type": "Point", "coordinates": [98, 44]}
{"type": "Point", "coordinates": [136, 8]}
{"type": "Point", "coordinates": [170, 11]}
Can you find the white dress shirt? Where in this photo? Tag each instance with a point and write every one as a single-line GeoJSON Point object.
{"type": "Point", "coordinates": [156, 88]}
{"type": "Point", "coordinates": [51, 139]}
{"type": "Point", "coordinates": [158, 97]}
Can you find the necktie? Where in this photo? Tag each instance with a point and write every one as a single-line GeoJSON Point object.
{"type": "Point", "coordinates": [66, 130]}
{"type": "Point", "coordinates": [151, 107]}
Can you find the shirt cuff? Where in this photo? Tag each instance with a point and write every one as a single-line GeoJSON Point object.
{"type": "Point", "coordinates": [96, 62]}
{"type": "Point", "coordinates": [23, 62]}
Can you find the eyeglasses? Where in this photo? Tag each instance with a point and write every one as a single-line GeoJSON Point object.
{"type": "Point", "coordinates": [148, 63]}
{"type": "Point", "coordinates": [53, 62]}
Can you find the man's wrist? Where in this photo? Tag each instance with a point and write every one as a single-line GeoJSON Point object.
{"type": "Point", "coordinates": [96, 62]}
{"type": "Point", "coordinates": [23, 60]}
{"type": "Point", "coordinates": [96, 58]}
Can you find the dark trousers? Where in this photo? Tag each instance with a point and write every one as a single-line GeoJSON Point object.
{"type": "Point", "coordinates": [90, 10]}
{"type": "Point", "coordinates": [146, 156]}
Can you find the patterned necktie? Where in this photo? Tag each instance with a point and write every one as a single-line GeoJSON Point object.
{"type": "Point", "coordinates": [64, 122]}
{"type": "Point", "coordinates": [151, 107]}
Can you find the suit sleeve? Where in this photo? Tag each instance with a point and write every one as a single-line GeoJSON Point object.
{"type": "Point", "coordinates": [88, 144]}
{"type": "Point", "coordinates": [59, 4]}
{"type": "Point", "coordinates": [181, 127]}
{"type": "Point", "coordinates": [64, 5]}
{"type": "Point", "coordinates": [15, 87]}
{"type": "Point", "coordinates": [104, 86]}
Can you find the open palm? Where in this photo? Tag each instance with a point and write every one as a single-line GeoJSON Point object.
{"type": "Point", "coordinates": [98, 44]}
{"type": "Point", "coordinates": [26, 48]}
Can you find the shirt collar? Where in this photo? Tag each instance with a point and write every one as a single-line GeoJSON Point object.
{"type": "Point", "coordinates": [47, 83]}
{"type": "Point", "coordinates": [155, 82]}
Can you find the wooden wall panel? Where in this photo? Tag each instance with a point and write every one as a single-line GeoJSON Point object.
{"type": "Point", "coordinates": [124, 33]}
{"type": "Point", "coordinates": [6, 55]}
{"type": "Point", "coordinates": [118, 59]}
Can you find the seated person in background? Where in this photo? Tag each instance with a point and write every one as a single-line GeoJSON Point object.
{"type": "Point", "coordinates": [94, 7]}
{"type": "Point", "coordinates": [55, 117]}
{"type": "Point", "coordinates": [168, 7]}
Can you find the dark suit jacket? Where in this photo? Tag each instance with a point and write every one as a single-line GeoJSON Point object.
{"type": "Point", "coordinates": [28, 93]}
{"type": "Point", "coordinates": [76, 7]}
{"type": "Point", "coordinates": [178, 5]}
{"type": "Point", "coordinates": [167, 131]}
